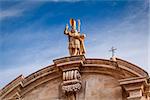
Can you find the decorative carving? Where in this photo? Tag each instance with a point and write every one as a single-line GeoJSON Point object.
{"type": "Point", "coordinates": [71, 88]}
{"type": "Point", "coordinates": [76, 40]}
{"type": "Point", "coordinates": [71, 81]}
{"type": "Point", "coordinates": [70, 67]}
{"type": "Point", "coordinates": [71, 75]}
{"type": "Point", "coordinates": [135, 87]}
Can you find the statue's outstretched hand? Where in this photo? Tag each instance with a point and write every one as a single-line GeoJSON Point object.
{"type": "Point", "coordinates": [66, 29]}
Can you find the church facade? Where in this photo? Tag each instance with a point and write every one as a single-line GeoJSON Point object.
{"type": "Point", "coordinates": [79, 78]}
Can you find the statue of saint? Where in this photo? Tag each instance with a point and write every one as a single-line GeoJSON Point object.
{"type": "Point", "coordinates": [76, 40]}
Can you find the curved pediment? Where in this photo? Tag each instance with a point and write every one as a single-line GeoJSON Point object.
{"type": "Point", "coordinates": [119, 69]}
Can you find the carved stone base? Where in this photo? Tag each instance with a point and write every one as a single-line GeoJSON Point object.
{"type": "Point", "coordinates": [70, 67]}
{"type": "Point", "coordinates": [71, 88]}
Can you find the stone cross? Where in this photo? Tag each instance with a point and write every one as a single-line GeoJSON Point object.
{"type": "Point", "coordinates": [113, 51]}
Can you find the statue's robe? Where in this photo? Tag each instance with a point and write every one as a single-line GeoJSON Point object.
{"type": "Point", "coordinates": [76, 42]}
{"type": "Point", "coordinates": [82, 47]}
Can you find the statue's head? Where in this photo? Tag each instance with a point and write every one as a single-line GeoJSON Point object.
{"type": "Point", "coordinates": [73, 24]}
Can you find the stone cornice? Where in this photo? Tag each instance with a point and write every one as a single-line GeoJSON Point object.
{"type": "Point", "coordinates": [89, 65]}
{"type": "Point", "coordinates": [132, 67]}
{"type": "Point", "coordinates": [38, 74]}
{"type": "Point", "coordinates": [23, 82]}
{"type": "Point", "coordinates": [136, 87]}
{"type": "Point", "coordinates": [133, 80]}
{"type": "Point", "coordinates": [13, 84]}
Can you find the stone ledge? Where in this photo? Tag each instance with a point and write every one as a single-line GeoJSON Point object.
{"type": "Point", "coordinates": [69, 63]}
{"type": "Point", "coordinates": [132, 80]}
{"type": "Point", "coordinates": [12, 85]}
{"type": "Point", "coordinates": [69, 59]}
{"type": "Point", "coordinates": [101, 66]}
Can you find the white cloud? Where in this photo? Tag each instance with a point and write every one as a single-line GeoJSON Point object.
{"type": "Point", "coordinates": [10, 13]}
{"type": "Point", "coordinates": [31, 58]}
{"type": "Point", "coordinates": [129, 36]}
{"type": "Point", "coordinates": [30, 62]}
{"type": "Point", "coordinates": [18, 9]}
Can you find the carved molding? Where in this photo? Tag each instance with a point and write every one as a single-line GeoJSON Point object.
{"type": "Point", "coordinates": [71, 87]}
{"type": "Point", "coordinates": [132, 67]}
{"type": "Point", "coordinates": [71, 75]}
{"type": "Point", "coordinates": [70, 68]}
{"type": "Point", "coordinates": [66, 68]}
{"type": "Point", "coordinates": [135, 88]}
{"type": "Point", "coordinates": [71, 81]}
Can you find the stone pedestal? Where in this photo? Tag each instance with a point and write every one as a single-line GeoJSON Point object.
{"type": "Point", "coordinates": [70, 67]}
{"type": "Point", "coordinates": [135, 88]}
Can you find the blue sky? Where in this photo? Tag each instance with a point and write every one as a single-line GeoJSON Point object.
{"type": "Point", "coordinates": [31, 32]}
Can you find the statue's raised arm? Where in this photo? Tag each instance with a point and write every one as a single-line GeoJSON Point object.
{"type": "Point", "coordinates": [76, 40]}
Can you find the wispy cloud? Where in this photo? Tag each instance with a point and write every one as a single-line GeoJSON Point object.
{"type": "Point", "coordinates": [18, 9]}
{"type": "Point", "coordinates": [32, 57]}
{"type": "Point", "coordinates": [35, 46]}
{"type": "Point", "coordinates": [10, 13]}
{"type": "Point", "coordinates": [130, 36]}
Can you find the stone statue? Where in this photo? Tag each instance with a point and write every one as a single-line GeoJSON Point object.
{"type": "Point", "coordinates": [76, 40]}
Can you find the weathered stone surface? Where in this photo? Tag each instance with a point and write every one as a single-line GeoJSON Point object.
{"type": "Point", "coordinates": [100, 79]}
{"type": "Point", "coordinates": [101, 87]}
{"type": "Point", "coordinates": [46, 91]}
